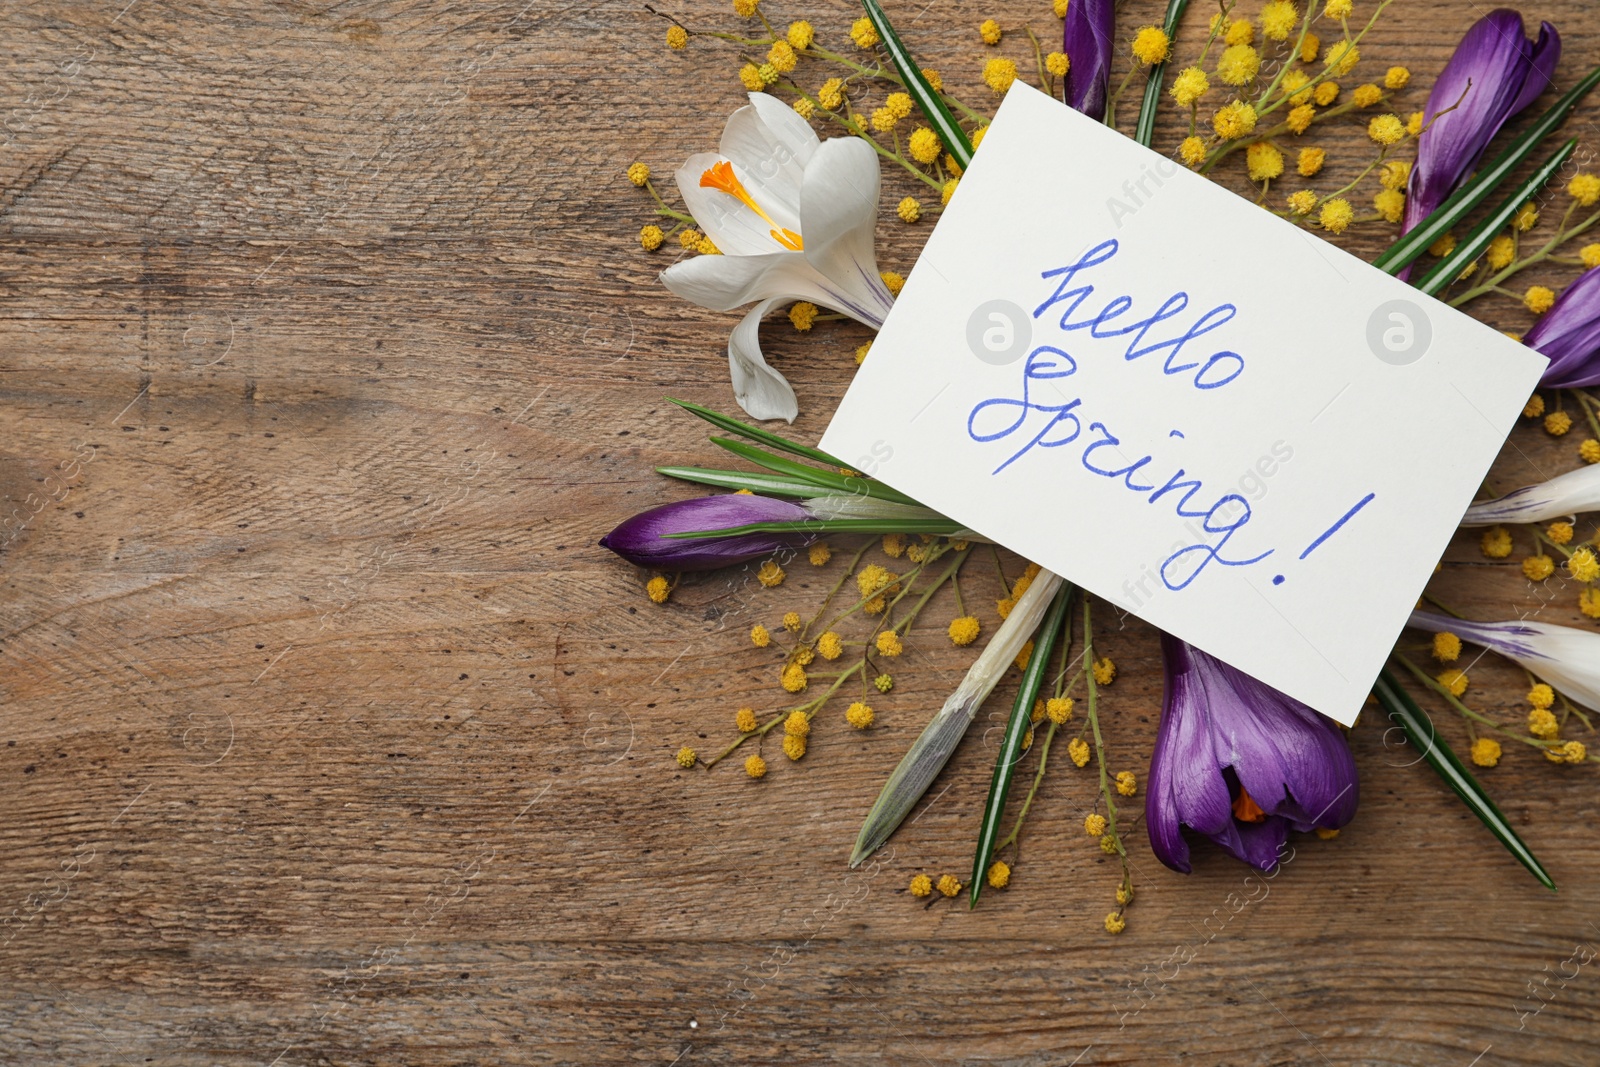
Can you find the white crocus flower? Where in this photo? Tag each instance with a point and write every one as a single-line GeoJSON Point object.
{"type": "Point", "coordinates": [1566, 657]}
{"type": "Point", "coordinates": [1565, 494]}
{"type": "Point", "coordinates": [794, 218]}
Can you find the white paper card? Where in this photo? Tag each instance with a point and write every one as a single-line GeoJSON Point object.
{"type": "Point", "coordinates": [1192, 408]}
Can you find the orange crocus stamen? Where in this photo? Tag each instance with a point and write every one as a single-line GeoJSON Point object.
{"type": "Point", "coordinates": [1245, 808]}
{"type": "Point", "coordinates": [720, 176]}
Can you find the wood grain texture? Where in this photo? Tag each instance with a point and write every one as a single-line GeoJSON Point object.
{"type": "Point", "coordinates": [330, 736]}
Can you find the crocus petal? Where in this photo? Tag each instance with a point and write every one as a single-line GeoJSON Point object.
{"type": "Point", "coordinates": [733, 227]}
{"type": "Point", "coordinates": [838, 215]}
{"type": "Point", "coordinates": [1086, 37]}
{"type": "Point", "coordinates": [1565, 494]}
{"type": "Point", "coordinates": [1217, 721]}
{"type": "Point", "coordinates": [641, 539]}
{"type": "Point", "coordinates": [761, 391]}
{"type": "Point", "coordinates": [1494, 73]}
{"type": "Point", "coordinates": [723, 283]}
{"type": "Point", "coordinates": [1564, 656]}
{"type": "Point", "coordinates": [1569, 333]}
{"type": "Point", "coordinates": [770, 142]}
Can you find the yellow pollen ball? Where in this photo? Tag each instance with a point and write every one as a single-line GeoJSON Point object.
{"type": "Point", "coordinates": [794, 747]}
{"type": "Point", "coordinates": [750, 78]}
{"type": "Point", "coordinates": [1559, 532]}
{"type": "Point", "coordinates": [639, 173]}
{"type": "Point", "coordinates": [1059, 709]}
{"type": "Point", "coordinates": [1446, 647]}
{"type": "Point", "coordinates": [1572, 752]}
{"type": "Point", "coordinates": [650, 237]}
{"type": "Point", "coordinates": [804, 108]}
{"type": "Point", "coordinates": [1397, 78]}
{"type": "Point", "coordinates": [755, 767]}
{"type": "Point", "coordinates": [1299, 118]}
{"type": "Point", "coordinates": [677, 37]}
{"type": "Point", "coordinates": [1239, 31]}
{"type": "Point", "coordinates": [862, 33]}
{"type": "Point", "coordinates": [1302, 202]}
{"type": "Point", "coordinates": [1502, 250]}
{"type": "Point", "coordinates": [1590, 254]}
{"type": "Point", "coordinates": [831, 94]}
{"type": "Point", "coordinates": [999, 874]}
{"type": "Point", "coordinates": [1538, 568]}
{"type": "Point", "coordinates": [1542, 696]}
{"type": "Point", "coordinates": [1394, 174]}
{"type": "Point", "coordinates": [1453, 680]}
{"type": "Point", "coordinates": [1078, 749]}
{"type": "Point", "coordinates": [1238, 64]}
{"type": "Point", "coordinates": [1495, 542]}
{"type": "Point", "coordinates": [1527, 218]}
{"type": "Point", "coordinates": [1189, 86]}
{"type": "Point", "coordinates": [1278, 20]}
{"type": "Point", "coordinates": [793, 678]}
{"type": "Point", "coordinates": [1094, 825]}
{"type": "Point", "coordinates": [892, 282]}
{"type": "Point", "coordinates": [791, 621]}
{"type": "Point", "coordinates": [744, 720]}
{"type": "Point", "coordinates": [759, 636]}
{"type": "Point", "coordinates": [1366, 96]}
{"type": "Point", "coordinates": [858, 715]}
{"type": "Point", "coordinates": [803, 315]}
{"type": "Point", "coordinates": [1557, 423]}
{"type": "Point", "coordinates": [1336, 215]}
{"type": "Point", "coordinates": [1264, 161]}
{"type": "Point", "coordinates": [899, 103]}
{"type": "Point", "coordinates": [989, 30]}
{"type": "Point", "coordinates": [1294, 87]}
{"type": "Point", "coordinates": [1414, 123]}
{"type": "Point", "coordinates": [964, 631]}
{"type": "Point", "coordinates": [657, 590]}
{"type": "Point", "coordinates": [1391, 204]}
{"type": "Point", "coordinates": [861, 353]}
{"type": "Point", "coordinates": [1115, 923]}
{"type": "Point", "coordinates": [949, 885]}
{"type": "Point", "coordinates": [830, 646]}
{"type": "Point", "coordinates": [894, 545]}
{"type": "Point", "coordinates": [1585, 189]}
{"type": "Point", "coordinates": [1538, 299]}
{"type": "Point", "coordinates": [1151, 45]}
{"type": "Point", "coordinates": [924, 145]}
{"type": "Point", "coordinates": [1309, 47]}
{"type": "Point", "coordinates": [1057, 64]}
{"type": "Point", "coordinates": [797, 724]}
{"type": "Point", "coordinates": [1542, 723]}
{"type": "Point", "coordinates": [1108, 845]}
{"type": "Point", "coordinates": [1583, 566]}
{"type": "Point", "coordinates": [1386, 129]}
{"type": "Point", "coordinates": [801, 35]}
{"type": "Point", "coordinates": [1486, 752]}
{"type": "Point", "coordinates": [1341, 58]}
{"type": "Point", "coordinates": [685, 757]}
{"type": "Point", "coordinates": [1060, 8]}
{"type": "Point", "coordinates": [921, 886]}
{"type": "Point", "coordinates": [1024, 655]}
{"type": "Point", "coordinates": [934, 79]}
{"type": "Point", "coordinates": [1325, 93]}
{"type": "Point", "coordinates": [781, 56]}
{"type": "Point", "coordinates": [1337, 9]}
{"type": "Point", "coordinates": [1192, 151]}
{"type": "Point", "coordinates": [1311, 160]}
{"type": "Point", "coordinates": [998, 74]}
{"type": "Point", "coordinates": [884, 120]}
{"type": "Point", "coordinates": [888, 643]}
{"type": "Point", "coordinates": [770, 575]}
{"type": "Point", "coordinates": [1234, 120]}
{"type": "Point", "coordinates": [910, 210]}
{"type": "Point", "coordinates": [1105, 672]}
{"type": "Point", "coordinates": [744, 8]}
{"type": "Point", "coordinates": [689, 239]}
{"type": "Point", "coordinates": [819, 554]}
{"type": "Point", "coordinates": [948, 191]}
{"type": "Point", "coordinates": [1127, 783]}
{"type": "Point", "coordinates": [1443, 246]}
{"type": "Point", "coordinates": [1589, 603]}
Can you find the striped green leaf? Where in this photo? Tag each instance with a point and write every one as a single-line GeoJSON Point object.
{"type": "Point", "coordinates": [755, 481]}
{"type": "Point", "coordinates": [933, 108]}
{"type": "Point", "coordinates": [1476, 189]}
{"type": "Point", "coordinates": [1005, 763]}
{"type": "Point", "coordinates": [1419, 731]}
{"type": "Point", "coordinates": [1450, 267]}
{"type": "Point", "coordinates": [756, 433]}
{"type": "Point", "coordinates": [832, 481]}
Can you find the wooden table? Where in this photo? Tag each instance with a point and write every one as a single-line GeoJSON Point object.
{"type": "Point", "coordinates": [331, 737]}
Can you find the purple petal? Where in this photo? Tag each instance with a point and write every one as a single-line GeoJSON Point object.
{"type": "Point", "coordinates": [1494, 73]}
{"type": "Point", "coordinates": [1222, 729]}
{"type": "Point", "coordinates": [1086, 38]}
{"type": "Point", "coordinates": [642, 539]}
{"type": "Point", "coordinates": [1569, 334]}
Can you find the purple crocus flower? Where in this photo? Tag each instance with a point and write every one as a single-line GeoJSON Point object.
{"type": "Point", "coordinates": [1494, 73]}
{"type": "Point", "coordinates": [1569, 333]}
{"type": "Point", "coordinates": [1086, 39]}
{"type": "Point", "coordinates": [1241, 763]}
{"type": "Point", "coordinates": [642, 539]}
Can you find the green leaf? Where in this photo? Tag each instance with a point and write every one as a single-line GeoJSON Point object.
{"type": "Point", "coordinates": [830, 480]}
{"type": "Point", "coordinates": [756, 433]}
{"type": "Point", "coordinates": [1420, 732]}
{"type": "Point", "coordinates": [1005, 763]}
{"type": "Point", "coordinates": [909, 526]}
{"type": "Point", "coordinates": [1145, 131]}
{"type": "Point", "coordinates": [756, 482]}
{"type": "Point", "coordinates": [1450, 267]}
{"type": "Point", "coordinates": [1476, 189]}
{"type": "Point", "coordinates": [933, 108]}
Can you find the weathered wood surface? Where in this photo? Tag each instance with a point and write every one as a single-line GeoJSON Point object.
{"type": "Point", "coordinates": [329, 735]}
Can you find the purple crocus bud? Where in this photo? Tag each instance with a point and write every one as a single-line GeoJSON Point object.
{"type": "Point", "coordinates": [1086, 39]}
{"type": "Point", "coordinates": [1569, 334]}
{"type": "Point", "coordinates": [642, 539]}
{"type": "Point", "coordinates": [1494, 73]}
{"type": "Point", "coordinates": [1241, 763]}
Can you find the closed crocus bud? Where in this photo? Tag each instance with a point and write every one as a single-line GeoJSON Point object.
{"type": "Point", "coordinates": [643, 539]}
{"type": "Point", "coordinates": [1240, 763]}
{"type": "Point", "coordinates": [1087, 40]}
{"type": "Point", "coordinates": [1494, 73]}
{"type": "Point", "coordinates": [1569, 334]}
